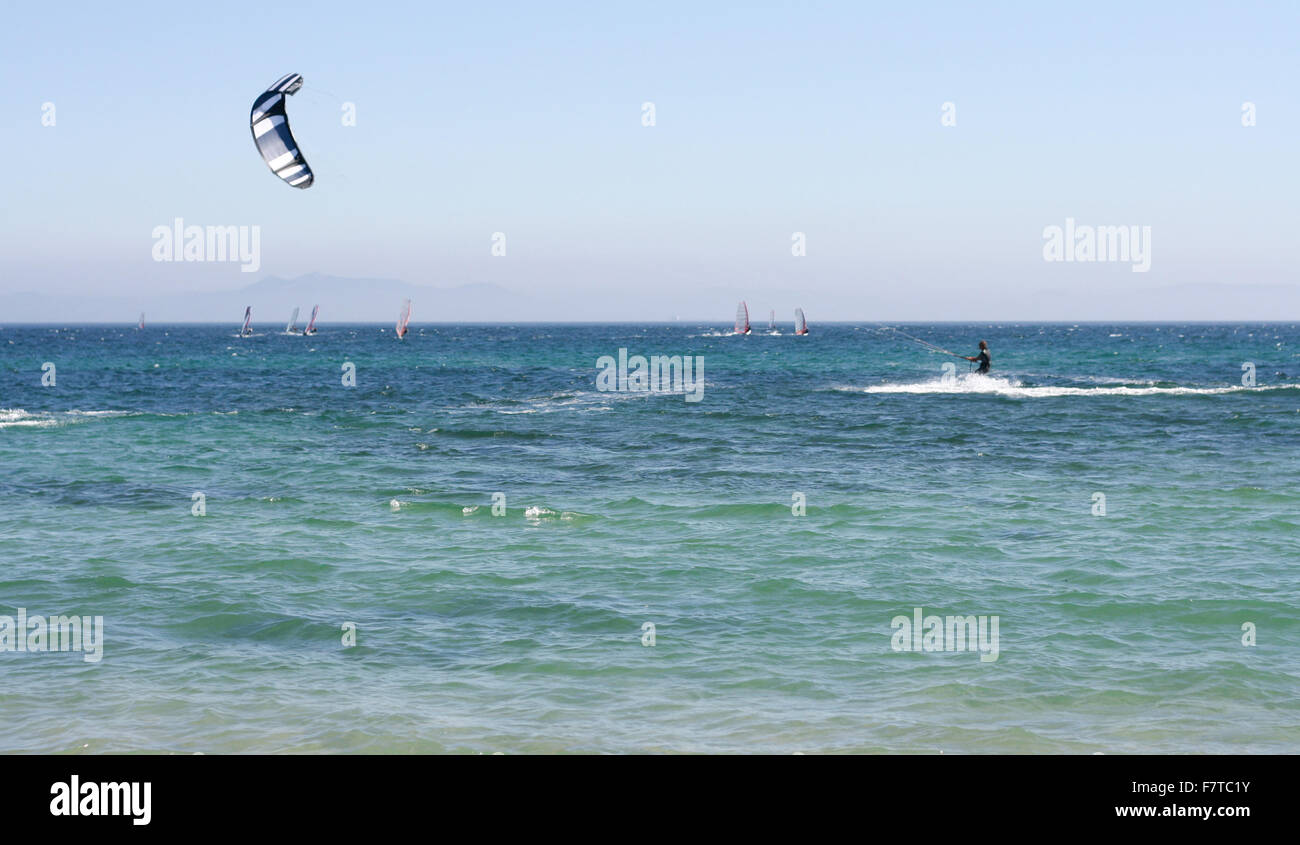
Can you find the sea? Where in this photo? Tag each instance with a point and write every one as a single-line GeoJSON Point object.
{"type": "Point", "coordinates": [485, 539]}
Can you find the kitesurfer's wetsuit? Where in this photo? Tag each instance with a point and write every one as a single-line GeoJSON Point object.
{"type": "Point", "coordinates": [984, 361]}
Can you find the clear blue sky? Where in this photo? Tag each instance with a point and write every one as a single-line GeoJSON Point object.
{"type": "Point", "coordinates": [524, 118]}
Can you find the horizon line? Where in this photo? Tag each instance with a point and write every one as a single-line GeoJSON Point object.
{"type": "Point", "coordinates": [1164, 322]}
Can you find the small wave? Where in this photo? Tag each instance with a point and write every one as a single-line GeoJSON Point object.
{"type": "Point", "coordinates": [10, 417]}
{"type": "Point", "coordinates": [585, 401]}
{"type": "Point", "coordinates": [994, 386]}
{"type": "Point", "coordinates": [17, 417]}
{"type": "Point", "coordinates": [409, 506]}
{"type": "Point", "coordinates": [536, 513]}
{"type": "Point", "coordinates": [478, 433]}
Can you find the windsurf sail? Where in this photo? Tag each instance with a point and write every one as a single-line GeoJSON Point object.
{"type": "Point", "coordinates": [248, 319]}
{"type": "Point", "coordinates": [800, 324]}
{"type": "Point", "coordinates": [742, 318]}
{"type": "Point", "coordinates": [293, 323]}
{"type": "Point", "coordinates": [771, 320]}
{"type": "Point", "coordinates": [404, 318]}
{"type": "Point", "coordinates": [141, 321]}
{"type": "Point", "coordinates": [311, 324]}
{"type": "Point", "coordinates": [270, 126]}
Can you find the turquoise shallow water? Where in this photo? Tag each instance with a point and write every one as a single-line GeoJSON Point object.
{"type": "Point", "coordinates": [523, 633]}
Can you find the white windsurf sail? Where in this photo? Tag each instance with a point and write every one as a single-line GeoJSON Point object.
{"type": "Point", "coordinates": [141, 321]}
{"type": "Point", "coordinates": [742, 318]}
{"type": "Point", "coordinates": [292, 327]}
{"type": "Point", "coordinates": [800, 324]}
{"type": "Point", "coordinates": [404, 318]}
{"type": "Point", "coordinates": [311, 324]}
{"type": "Point", "coordinates": [248, 319]}
{"type": "Point", "coordinates": [771, 320]}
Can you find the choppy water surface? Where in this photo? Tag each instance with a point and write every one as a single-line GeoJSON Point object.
{"type": "Point", "coordinates": [373, 505]}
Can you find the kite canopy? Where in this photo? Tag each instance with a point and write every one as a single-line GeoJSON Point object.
{"type": "Point", "coordinates": [271, 133]}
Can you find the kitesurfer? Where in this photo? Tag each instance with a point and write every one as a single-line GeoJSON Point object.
{"type": "Point", "coordinates": [983, 358]}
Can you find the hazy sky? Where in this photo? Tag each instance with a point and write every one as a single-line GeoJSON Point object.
{"type": "Point", "coordinates": [526, 119]}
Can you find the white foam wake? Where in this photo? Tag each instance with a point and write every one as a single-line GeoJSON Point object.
{"type": "Point", "coordinates": [997, 386]}
{"type": "Point", "coordinates": [15, 417]}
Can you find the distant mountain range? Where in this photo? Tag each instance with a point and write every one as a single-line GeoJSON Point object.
{"type": "Point", "coordinates": [364, 300]}
{"type": "Point", "coordinates": [341, 300]}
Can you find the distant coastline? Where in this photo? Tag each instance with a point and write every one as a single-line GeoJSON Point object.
{"type": "Point", "coordinates": [377, 300]}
